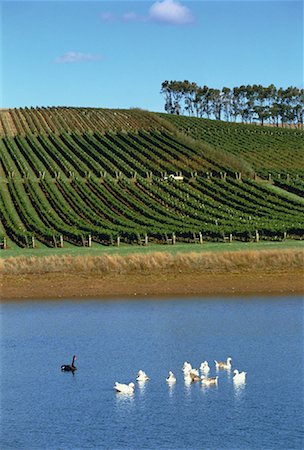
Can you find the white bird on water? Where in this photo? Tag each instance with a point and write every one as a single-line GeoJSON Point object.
{"type": "Point", "coordinates": [209, 381]}
{"type": "Point", "coordinates": [239, 377]}
{"type": "Point", "coordinates": [204, 367]}
{"type": "Point", "coordinates": [187, 368]}
{"type": "Point", "coordinates": [142, 376]}
{"type": "Point", "coordinates": [171, 377]}
{"type": "Point", "coordinates": [124, 388]}
{"type": "Point", "coordinates": [223, 365]}
{"type": "Point", "coordinates": [190, 374]}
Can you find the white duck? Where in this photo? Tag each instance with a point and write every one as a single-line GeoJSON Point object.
{"type": "Point", "coordinates": [204, 368]}
{"type": "Point", "coordinates": [186, 368]}
{"type": "Point", "coordinates": [191, 375]}
{"type": "Point", "coordinates": [171, 377]}
{"type": "Point", "coordinates": [223, 365]}
{"type": "Point", "coordinates": [209, 381]}
{"type": "Point", "coordinates": [124, 388]}
{"type": "Point", "coordinates": [142, 376]}
{"type": "Point", "coordinates": [239, 377]}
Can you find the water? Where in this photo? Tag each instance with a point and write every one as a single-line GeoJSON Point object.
{"type": "Point", "coordinates": [44, 408]}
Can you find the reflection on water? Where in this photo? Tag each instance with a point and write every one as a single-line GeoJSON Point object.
{"type": "Point", "coordinates": [239, 390]}
{"type": "Point", "coordinates": [187, 389]}
{"type": "Point", "coordinates": [141, 387]}
{"type": "Point", "coordinates": [124, 399]}
{"type": "Point", "coordinates": [171, 388]}
{"type": "Point", "coordinates": [227, 371]}
{"type": "Point", "coordinates": [111, 338]}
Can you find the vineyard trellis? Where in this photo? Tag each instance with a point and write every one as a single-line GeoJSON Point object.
{"type": "Point", "coordinates": [81, 175]}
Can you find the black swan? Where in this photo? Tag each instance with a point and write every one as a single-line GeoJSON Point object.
{"type": "Point", "coordinates": [69, 368]}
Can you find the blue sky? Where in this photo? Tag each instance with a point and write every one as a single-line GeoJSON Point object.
{"type": "Point", "coordinates": [115, 54]}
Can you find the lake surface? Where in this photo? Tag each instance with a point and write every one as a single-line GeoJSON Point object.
{"type": "Point", "coordinates": [44, 408]}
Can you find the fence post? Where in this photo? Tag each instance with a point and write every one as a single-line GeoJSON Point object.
{"type": "Point", "coordinates": [90, 240]}
{"type": "Point", "coordinates": [200, 237]}
{"type": "Point", "coordinates": [230, 237]}
{"type": "Point", "coordinates": [118, 241]}
{"type": "Point", "coordinates": [193, 176]}
{"type": "Point", "coordinates": [149, 177]}
{"type": "Point", "coordinates": [33, 241]}
{"type": "Point", "coordinates": [257, 236]}
{"type": "Point", "coordinates": [173, 238]}
{"type": "Point", "coordinates": [4, 243]}
{"type": "Point", "coordinates": [61, 241]}
{"type": "Point", "coordinates": [26, 241]}
{"type": "Point", "coordinates": [133, 176]}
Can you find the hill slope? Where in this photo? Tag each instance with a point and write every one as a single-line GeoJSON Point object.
{"type": "Point", "coordinates": [265, 149]}
{"type": "Point", "coordinates": [77, 120]}
{"type": "Point", "coordinates": [79, 175]}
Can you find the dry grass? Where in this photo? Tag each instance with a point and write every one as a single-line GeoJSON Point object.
{"type": "Point", "coordinates": [157, 262]}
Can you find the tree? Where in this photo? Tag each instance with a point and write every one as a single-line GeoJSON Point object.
{"type": "Point", "coordinates": [166, 91]}
{"type": "Point", "coordinates": [198, 102]}
{"type": "Point", "coordinates": [217, 103]}
{"type": "Point", "coordinates": [261, 108]}
{"type": "Point", "coordinates": [226, 101]}
{"type": "Point", "coordinates": [251, 102]}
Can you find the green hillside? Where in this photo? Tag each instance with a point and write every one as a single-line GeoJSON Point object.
{"type": "Point", "coordinates": [75, 176]}
{"type": "Point", "coordinates": [265, 149]}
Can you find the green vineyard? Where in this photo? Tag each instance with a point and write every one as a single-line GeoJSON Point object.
{"type": "Point", "coordinates": [278, 151]}
{"type": "Point", "coordinates": [75, 176]}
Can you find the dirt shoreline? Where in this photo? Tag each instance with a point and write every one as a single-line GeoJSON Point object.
{"type": "Point", "coordinates": [81, 286]}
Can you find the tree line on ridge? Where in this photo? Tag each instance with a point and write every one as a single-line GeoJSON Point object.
{"type": "Point", "coordinates": [248, 104]}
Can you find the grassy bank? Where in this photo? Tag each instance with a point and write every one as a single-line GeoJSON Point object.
{"type": "Point", "coordinates": [266, 271]}
{"type": "Point", "coordinates": [157, 262]}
